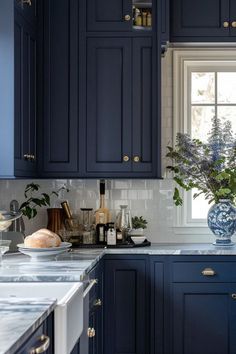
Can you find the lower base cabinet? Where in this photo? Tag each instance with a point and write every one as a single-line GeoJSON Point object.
{"type": "Point", "coordinates": [204, 318]}
{"type": "Point", "coordinates": [126, 305]}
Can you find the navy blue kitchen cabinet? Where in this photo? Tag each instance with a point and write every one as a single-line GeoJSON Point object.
{"type": "Point", "coordinates": [59, 121]}
{"type": "Point", "coordinates": [203, 305]}
{"type": "Point", "coordinates": [91, 340]}
{"type": "Point", "coordinates": [159, 297]}
{"type": "Point", "coordinates": [41, 338]}
{"type": "Point", "coordinates": [109, 15]}
{"type": "Point", "coordinates": [203, 20]}
{"type": "Point", "coordinates": [25, 54]}
{"type": "Point", "coordinates": [122, 121]}
{"type": "Point", "coordinates": [18, 92]}
{"type": "Point", "coordinates": [126, 305]}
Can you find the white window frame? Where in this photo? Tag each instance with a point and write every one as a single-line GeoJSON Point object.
{"type": "Point", "coordinates": [185, 60]}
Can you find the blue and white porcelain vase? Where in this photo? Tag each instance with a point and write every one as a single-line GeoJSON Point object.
{"type": "Point", "coordinates": [221, 220]}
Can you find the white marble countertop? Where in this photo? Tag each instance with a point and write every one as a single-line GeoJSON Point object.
{"type": "Point", "coordinates": [71, 266]}
{"type": "Point", "coordinates": [19, 319]}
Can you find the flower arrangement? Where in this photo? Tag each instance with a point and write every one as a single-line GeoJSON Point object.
{"type": "Point", "coordinates": [209, 167]}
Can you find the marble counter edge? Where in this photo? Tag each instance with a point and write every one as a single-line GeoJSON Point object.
{"type": "Point", "coordinates": [50, 306]}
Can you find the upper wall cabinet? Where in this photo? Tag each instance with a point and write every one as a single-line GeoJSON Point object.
{"type": "Point", "coordinates": [59, 118]}
{"type": "Point", "coordinates": [18, 92]}
{"type": "Point", "coordinates": [119, 15]}
{"type": "Point", "coordinates": [113, 15]}
{"type": "Point", "coordinates": [25, 97]}
{"type": "Point", "coordinates": [203, 20]}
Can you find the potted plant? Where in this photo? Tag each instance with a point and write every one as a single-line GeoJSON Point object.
{"type": "Point", "coordinates": [209, 168]}
{"type": "Point", "coordinates": [138, 226]}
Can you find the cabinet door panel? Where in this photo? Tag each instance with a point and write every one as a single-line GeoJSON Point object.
{"type": "Point", "coordinates": [103, 15]}
{"type": "Point", "coordinates": [124, 305]}
{"type": "Point", "coordinates": [202, 18]}
{"type": "Point", "coordinates": [25, 96]}
{"type": "Point", "coordinates": [108, 104]}
{"type": "Point", "coordinates": [204, 317]}
{"type": "Point", "coordinates": [143, 129]}
{"type": "Point", "coordinates": [60, 120]}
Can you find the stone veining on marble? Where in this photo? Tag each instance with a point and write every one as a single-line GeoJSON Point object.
{"type": "Point", "coordinates": [19, 319]}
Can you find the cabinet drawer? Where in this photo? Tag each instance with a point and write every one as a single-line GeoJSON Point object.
{"type": "Point", "coordinates": [37, 341]}
{"type": "Point", "coordinates": [201, 272]}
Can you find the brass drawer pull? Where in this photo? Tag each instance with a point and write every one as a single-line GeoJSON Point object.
{"type": "Point", "coordinates": [125, 158]}
{"type": "Point", "coordinates": [208, 272]}
{"type": "Point", "coordinates": [226, 24]}
{"type": "Point", "coordinates": [233, 296]}
{"type": "Point", "coordinates": [28, 2]}
{"type": "Point", "coordinates": [91, 332]}
{"type": "Point", "coordinates": [233, 24]}
{"type": "Point", "coordinates": [42, 348]}
{"type": "Point", "coordinates": [32, 157]}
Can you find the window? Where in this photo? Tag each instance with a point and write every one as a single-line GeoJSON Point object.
{"type": "Point", "coordinates": [205, 86]}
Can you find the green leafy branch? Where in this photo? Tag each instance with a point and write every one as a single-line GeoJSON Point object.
{"type": "Point", "coordinates": [35, 200]}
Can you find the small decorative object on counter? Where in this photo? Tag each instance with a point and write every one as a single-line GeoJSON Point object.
{"type": "Point", "coordinates": [119, 236]}
{"type": "Point", "coordinates": [56, 219]}
{"type": "Point", "coordinates": [88, 226]}
{"type": "Point", "coordinates": [101, 230]}
{"type": "Point", "coordinates": [111, 234]}
{"type": "Point", "coordinates": [68, 214]}
{"type": "Point", "coordinates": [144, 19]}
{"type": "Point", "coordinates": [123, 221]}
{"type": "Point", "coordinates": [102, 208]}
{"type": "Point", "coordinates": [221, 220]}
{"type": "Point", "coordinates": [139, 224]}
{"type": "Point", "coordinates": [18, 224]}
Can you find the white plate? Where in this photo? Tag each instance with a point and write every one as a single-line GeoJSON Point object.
{"type": "Point", "coordinates": [44, 254]}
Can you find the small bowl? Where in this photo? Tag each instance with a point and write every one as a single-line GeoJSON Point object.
{"type": "Point", "coordinates": [138, 239]}
{"type": "Point", "coordinates": [4, 246]}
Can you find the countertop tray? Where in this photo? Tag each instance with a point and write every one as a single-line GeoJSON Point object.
{"type": "Point", "coordinates": [122, 245]}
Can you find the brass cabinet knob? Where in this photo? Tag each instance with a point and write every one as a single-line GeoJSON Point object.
{"type": "Point", "coordinates": [27, 2]}
{"type": "Point", "coordinates": [233, 296]}
{"type": "Point", "coordinates": [127, 17]}
{"type": "Point", "coordinates": [125, 158]}
{"type": "Point", "coordinates": [91, 332]}
{"type": "Point", "coordinates": [233, 24]}
{"type": "Point", "coordinates": [208, 272]}
{"type": "Point", "coordinates": [98, 302]}
{"type": "Point", "coordinates": [225, 24]}
{"type": "Point", "coordinates": [136, 159]}
{"type": "Point", "coordinates": [43, 347]}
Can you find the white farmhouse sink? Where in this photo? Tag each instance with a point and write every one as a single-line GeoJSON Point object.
{"type": "Point", "coordinates": [68, 319]}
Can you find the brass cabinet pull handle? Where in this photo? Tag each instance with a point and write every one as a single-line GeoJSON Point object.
{"type": "Point", "coordinates": [233, 296]}
{"type": "Point", "coordinates": [136, 159]}
{"type": "Point", "coordinates": [28, 2]}
{"type": "Point", "coordinates": [125, 158]}
{"type": "Point", "coordinates": [127, 17]}
{"type": "Point", "coordinates": [91, 332]}
{"type": "Point", "coordinates": [98, 302]}
{"type": "Point", "coordinates": [225, 24]}
{"type": "Point", "coordinates": [26, 156]}
{"type": "Point", "coordinates": [42, 348]}
{"type": "Point", "coordinates": [233, 24]}
{"type": "Point", "coordinates": [32, 157]}
{"type": "Point", "coordinates": [208, 272]}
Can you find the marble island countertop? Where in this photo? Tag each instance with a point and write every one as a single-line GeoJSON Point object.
{"type": "Point", "coordinates": [19, 319]}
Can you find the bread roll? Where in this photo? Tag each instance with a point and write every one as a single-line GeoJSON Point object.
{"type": "Point", "coordinates": [43, 238]}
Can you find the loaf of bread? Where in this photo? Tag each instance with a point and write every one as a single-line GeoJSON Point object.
{"type": "Point", "coordinates": [42, 238]}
